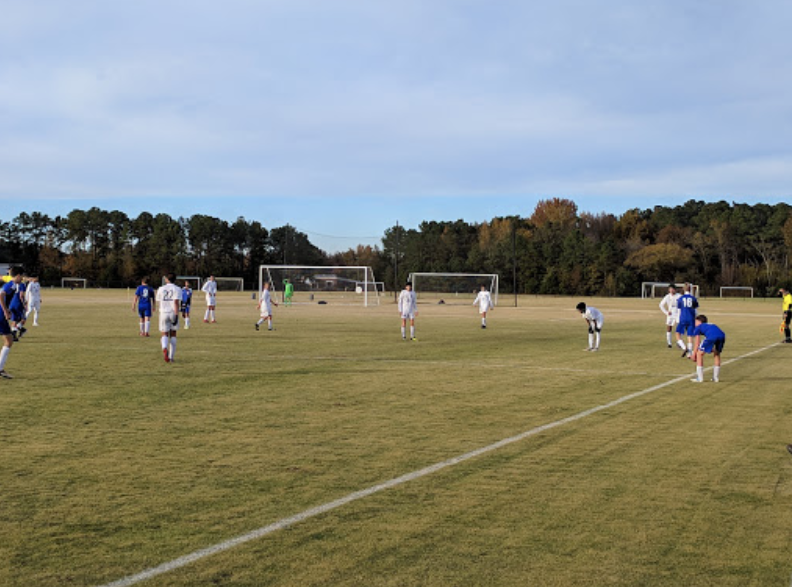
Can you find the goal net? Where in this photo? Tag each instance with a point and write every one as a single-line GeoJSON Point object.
{"type": "Point", "coordinates": [74, 282]}
{"type": "Point", "coordinates": [736, 291]}
{"type": "Point", "coordinates": [230, 283]}
{"type": "Point", "coordinates": [193, 280]}
{"type": "Point", "coordinates": [453, 288]}
{"type": "Point", "coordinates": [658, 289]}
{"type": "Point", "coordinates": [330, 284]}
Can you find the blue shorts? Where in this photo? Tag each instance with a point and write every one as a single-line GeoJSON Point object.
{"type": "Point", "coordinates": [5, 327]}
{"type": "Point", "coordinates": [708, 344]}
{"type": "Point", "coordinates": [685, 328]}
{"type": "Point", "coordinates": [144, 312]}
{"type": "Point", "coordinates": [185, 309]}
{"type": "Point", "coordinates": [17, 314]}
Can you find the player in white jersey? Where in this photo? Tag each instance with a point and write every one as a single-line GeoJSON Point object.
{"type": "Point", "coordinates": [210, 289]}
{"type": "Point", "coordinates": [408, 310]}
{"type": "Point", "coordinates": [33, 299]}
{"type": "Point", "coordinates": [265, 305]}
{"type": "Point", "coordinates": [169, 299]}
{"type": "Point", "coordinates": [668, 306]}
{"type": "Point", "coordinates": [595, 320]}
{"type": "Point", "coordinates": [484, 302]}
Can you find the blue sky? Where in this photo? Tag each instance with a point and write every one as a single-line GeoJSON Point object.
{"type": "Point", "coordinates": [342, 117]}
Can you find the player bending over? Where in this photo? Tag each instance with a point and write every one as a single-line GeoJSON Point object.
{"type": "Point", "coordinates": [687, 305]}
{"type": "Point", "coordinates": [210, 289]}
{"type": "Point", "coordinates": [714, 340]}
{"type": "Point", "coordinates": [6, 293]}
{"type": "Point", "coordinates": [186, 302]}
{"type": "Point", "coordinates": [595, 320]}
{"type": "Point", "coordinates": [484, 301]}
{"type": "Point", "coordinates": [169, 298]}
{"type": "Point", "coordinates": [408, 310]}
{"type": "Point", "coordinates": [265, 305]}
{"type": "Point", "coordinates": [668, 306]}
{"type": "Point", "coordinates": [33, 299]}
{"type": "Point", "coordinates": [144, 298]}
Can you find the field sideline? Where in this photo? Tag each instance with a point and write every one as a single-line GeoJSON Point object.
{"type": "Point", "coordinates": [114, 462]}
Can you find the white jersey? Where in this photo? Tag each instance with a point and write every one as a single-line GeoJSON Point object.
{"type": "Point", "coordinates": [169, 298]}
{"type": "Point", "coordinates": [668, 306]}
{"type": "Point", "coordinates": [266, 303]}
{"type": "Point", "coordinates": [408, 304]}
{"type": "Point", "coordinates": [210, 289]}
{"type": "Point", "coordinates": [484, 301]}
{"type": "Point", "coordinates": [594, 315]}
{"type": "Point", "coordinates": [33, 293]}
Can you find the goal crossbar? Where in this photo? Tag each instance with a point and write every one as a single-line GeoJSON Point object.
{"type": "Point", "coordinates": [488, 279]}
{"type": "Point", "coordinates": [79, 281]}
{"type": "Point", "coordinates": [658, 289]}
{"type": "Point", "coordinates": [748, 291]}
{"type": "Point", "coordinates": [356, 280]}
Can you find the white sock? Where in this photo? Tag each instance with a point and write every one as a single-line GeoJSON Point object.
{"type": "Point", "coordinates": [700, 373]}
{"type": "Point", "coordinates": [212, 314]}
{"type": "Point", "coordinates": [668, 338]}
{"type": "Point", "coordinates": [172, 347]}
{"type": "Point", "coordinates": [598, 337]}
{"type": "Point", "coordinates": [591, 341]}
{"type": "Point", "coordinates": [681, 344]}
{"type": "Point", "coordinates": [164, 341]}
{"type": "Point", "coordinates": [147, 327]}
{"type": "Point", "coordinates": [412, 331]}
{"type": "Point", "coordinates": [269, 324]}
{"type": "Point", "coordinates": [186, 322]}
{"type": "Point", "coordinates": [483, 321]}
{"type": "Point", "coordinates": [716, 373]}
{"type": "Point", "coordinates": [206, 316]}
{"type": "Point", "coordinates": [404, 332]}
{"type": "Point", "coordinates": [4, 356]}
{"type": "Point", "coordinates": [260, 322]}
{"type": "Point", "coordinates": [141, 328]}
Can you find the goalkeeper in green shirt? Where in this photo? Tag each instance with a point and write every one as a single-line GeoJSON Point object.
{"type": "Point", "coordinates": [288, 292]}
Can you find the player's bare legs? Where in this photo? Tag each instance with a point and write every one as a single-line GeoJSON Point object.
{"type": "Point", "coordinates": [8, 342]}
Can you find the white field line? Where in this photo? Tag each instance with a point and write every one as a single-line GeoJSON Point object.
{"type": "Point", "coordinates": [329, 506]}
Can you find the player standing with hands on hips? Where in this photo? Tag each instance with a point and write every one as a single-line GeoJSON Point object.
{"type": "Point", "coordinates": [484, 302]}
{"type": "Point", "coordinates": [595, 320]}
{"type": "Point", "coordinates": [668, 306]}
{"type": "Point", "coordinates": [408, 310]}
{"type": "Point", "coordinates": [210, 289]}
{"type": "Point", "coordinates": [33, 299]}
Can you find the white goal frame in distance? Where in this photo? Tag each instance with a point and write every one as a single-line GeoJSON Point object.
{"type": "Point", "coordinates": [181, 278]}
{"type": "Point", "coordinates": [370, 292]}
{"type": "Point", "coordinates": [493, 279]}
{"type": "Point", "coordinates": [649, 289]}
{"type": "Point", "coordinates": [81, 280]}
{"type": "Point", "coordinates": [239, 280]}
{"type": "Point", "coordinates": [738, 287]}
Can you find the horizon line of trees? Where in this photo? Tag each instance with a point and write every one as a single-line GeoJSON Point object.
{"type": "Point", "coordinates": [555, 250]}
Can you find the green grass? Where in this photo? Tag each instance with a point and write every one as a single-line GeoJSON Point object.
{"type": "Point", "coordinates": [113, 462]}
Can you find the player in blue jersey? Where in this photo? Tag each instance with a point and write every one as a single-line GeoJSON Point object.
{"type": "Point", "coordinates": [144, 300]}
{"type": "Point", "coordinates": [687, 305]}
{"type": "Point", "coordinates": [186, 302]}
{"type": "Point", "coordinates": [7, 293]}
{"type": "Point", "coordinates": [17, 308]}
{"type": "Point", "coordinates": [713, 341]}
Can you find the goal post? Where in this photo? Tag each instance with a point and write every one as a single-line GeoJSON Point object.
{"type": "Point", "coordinates": [230, 283]}
{"type": "Point", "coordinates": [453, 288]}
{"type": "Point", "coordinates": [658, 289]}
{"type": "Point", "coordinates": [736, 291]}
{"type": "Point", "coordinates": [337, 284]}
{"type": "Point", "coordinates": [74, 282]}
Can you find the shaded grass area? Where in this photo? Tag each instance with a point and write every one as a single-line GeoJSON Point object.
{"type": "Point", "coordinates": [114, 461]}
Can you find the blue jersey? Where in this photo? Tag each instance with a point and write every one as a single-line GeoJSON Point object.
{"type": "Point", "coordinates": [687, 305]}
{"type": "Point", "coordinates": [10, 290]}
{"type": "Point", "coordinates": [18, 301]}
{"type": "Point", "coordinates": [145, 295]}
{"type": "Point", "coordinates": [710, 332]}
{"type": "Point", "coordinates": [186, 297]}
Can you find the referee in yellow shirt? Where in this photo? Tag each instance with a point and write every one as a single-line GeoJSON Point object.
{"type": "Point", "coordinates": [787, 315]}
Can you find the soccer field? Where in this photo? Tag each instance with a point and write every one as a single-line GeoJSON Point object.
{"type": "Point", "coordinates": [114, 462]}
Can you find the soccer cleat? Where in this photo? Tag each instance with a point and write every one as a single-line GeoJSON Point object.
{"type": "Point", "coordinates": [172, 360]}
{"type": "Point", "coordinates": [214, 321]}
{"type": "Point", "coordinates": [167, 358]}
{"type": "Point", "coordinates": [670, 346]}
{"type": "Point", "coordinates": [6, 375]}
{"type": "Point", "coordinates": [696, 380]}
{"type": "Point", "coordinates": [587, 349]}
{"type": "Point", "coordinates": [257, 327]}
{"type": "Point", "coordinates": [684, 354]}
{"type": "Point", "coordinates": [147, 335]}
{"type": "Point", "coordinates": [595, 349]}
{"type": "Point", "coordinates": [22, 331]}
{"type": "Point", "coordinates": [414, 339]}
{"type": "Point", "coordinates": [787, 341]}
{"type": "Point", "coordinates": [205, 320]}
{"type": "Point", "coordinates": [715, 380]}
{"type": "Point", "coordinates": [483, 326]}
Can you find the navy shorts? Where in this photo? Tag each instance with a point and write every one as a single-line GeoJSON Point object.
{"type": "Point", "coordinates": [144, 312]}
{"type": "Point", "coordinates": [17, 314]}
{"type": "Point", "coordinates": [5, 327]}
{"type": "Point", "coordinates": [709, 344]}
{"type": "Point", "coordinates": [685, 328]}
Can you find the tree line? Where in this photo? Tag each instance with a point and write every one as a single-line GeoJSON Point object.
{"type": "Point", "coordinates": [555, 250]}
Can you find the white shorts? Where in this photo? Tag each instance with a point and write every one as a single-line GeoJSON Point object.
{"type": "Point", "coordinates": [671, 320]}
{"type": "Point", "coordinates": [410, 316]}
{"type": "Point", "coordinates": [266, 312]}
{"type": "Point", "coordinates": [210, 300]}
{"type": "Point", "coordinates": [35, 305]}
{"type": "Point", "coordinates": [168, 321]}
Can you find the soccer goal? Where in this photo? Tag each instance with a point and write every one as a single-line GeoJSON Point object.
{"type": "Point", "coordinates": [193, 280]}
{"type": "Point", "coordinates": [230, 283]}
{"type": "Point", "coordinates": [74, 282]}
{"type": "Point", "coordinates": [736, 291]}
{"type": "Point", "coordinates": [331, 284]}
{"type": "Point", "coordinates": [658, 289]}
{"type": "Point", "coordinates": [453, 288]}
